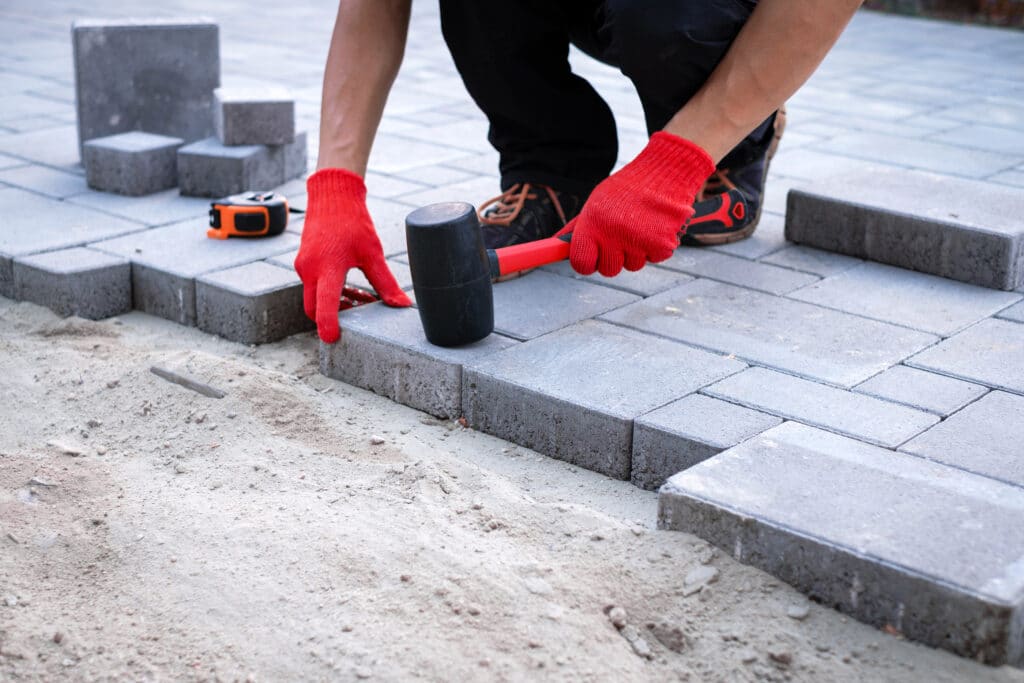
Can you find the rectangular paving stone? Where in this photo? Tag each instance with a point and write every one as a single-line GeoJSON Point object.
{"type": "Point", "coordinates": [920, 154]}
{"type": "Point", "coordinates": [648, 280]}
{"type": "Point", "coordinates": [924, 302]}
{"type": "Point", "coordinates": [768, 238]}
{"type": "Point", "coordinates": [811, 260]}
{"type": "Point", "coordinates": [793, 336]}
{"type": "Point", "coordinates": [984, 438]}
{"type": "Point", "coordinates": [131, 163]}
{"type": "Point", "coordinates": [724, 268]}
{"type": "Point", "coordinates": [154, 75]}
{"type": "Point", "coordinates": [159, 208]}
{"type": "Point", "coordinates": [56, 147]}
{"type": "Point", "coordinates": [989, 353]}
{"type": "Point", "coordinates": [34, 224]}
{"type": "Point", "coordinates": [247, 116]}
{"type": "Point", "coordinates": [383, 350]}
{"type": "Point", "coordinates": [951, 227]}
{"type": "Point", "coordinates": [856, 415]}
{"type": "Point", "coordinates": [254, 303]}
{"type": "Point", "coordinates": [45, 180]}
{"type": "Point", "coordinates": [208, 168]}
{"type": "Point", "coordinates": [920, 389]}
{"type": "Point", "coordinates": [1014, 313]}
{"type": "Point", "coordinates": [541, 302]}
{"type": "Point", "coordinates": [891, 539]}
{"type": "Point", "coordinates": [566, 395]}
{"type": "Point", "coordinates": [75, 281]}
{"type": "Point", "coordinates": [686, 432]}
{"type": "Point", "coordinates": [166, 261]}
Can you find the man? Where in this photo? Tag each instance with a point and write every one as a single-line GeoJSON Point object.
{"type": "Point", "coordinates": [711, 76]}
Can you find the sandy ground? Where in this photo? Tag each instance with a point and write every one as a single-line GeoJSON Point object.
{"type": "Point", "coordinates": [302, 529]}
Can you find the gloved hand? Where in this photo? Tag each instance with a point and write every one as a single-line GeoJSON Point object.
{"type": "Point", "coordinates": [636, 214]}
{"type": "Point", "coordinates": [339, 235]}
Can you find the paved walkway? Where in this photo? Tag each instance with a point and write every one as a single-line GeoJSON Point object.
{"type": "Point", "coordinates": [853, 427]}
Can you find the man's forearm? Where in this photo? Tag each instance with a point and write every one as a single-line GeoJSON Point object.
{"type": "Point", "coordinates": [366, 51]}
{"type": "Point", "coordinates": [777, 50]}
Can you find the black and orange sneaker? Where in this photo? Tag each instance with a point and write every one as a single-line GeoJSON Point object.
{"type": "Point", "coordinates": [728, 207]}
{"type": "Point", "coordinates": [524, 213]}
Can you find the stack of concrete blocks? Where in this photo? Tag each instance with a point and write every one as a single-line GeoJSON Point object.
{"type": "Point", "coordinates": [255, 146]}
{"type": "Point", "coordinates": [143, 88]}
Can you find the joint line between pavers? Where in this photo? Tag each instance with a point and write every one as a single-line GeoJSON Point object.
{"type": "Point", "coordinates": [909, 362]}
{"type": "Point", "coordinates": [960, 468]}
{"type": "Point", "coordinates": [827, 543]}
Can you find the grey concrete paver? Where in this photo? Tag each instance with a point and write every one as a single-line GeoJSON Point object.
{"type": "Point", "coordinates": [541, 302]}
{"type": "Point", "coordinates": [811, 260]}
{"type": "Point", "coordinates": [160, 208]}
{"type": "Point", "coordinates": [51, 147]}
{"type": "Point", "coordinates": [563, 394]}
{"type": "Point", "coordinates": [984, 438]}
{"type": "Point", "coordinates": [648, 280]}
{"type": "Point", "coordinates": [923, 302]}
{"type": "Point", "coordinates": [768, 238]}
{"type": "Point", "coordinates": [803, 339]}
{"type": "Point", "coordinates": [1014, 313]}
{"type": "Point", "coordinates": [886, 537]}
{"type": "Point", "coordinates": [131, 163]}
{"type": "Point", "coordinates": [47, 181]}
{"type": "Point", "coordinates": [383, 350]}
{"type": "Point", "coordinates": [862, 417]}
{"type": "Point", "coordinates": [689, 431]}
{"type": "Point", "coordinates": [166, 261]}
{"type": "Point", "coordinates": [919, 389]}
{"type": "Point", "coordinates": [991, 138]}
{"type": "Point", "coordinates": [75, 281]}
{"type": "Point", "coordinates": [921, 154]}
{"type": "Point", "coordinates": [989, 353]}
{"type": "Point", "coordinates": [253, 303]}
{"type": "Point", "coordinates": [248, 116]}
{"type": "Point", "coordinates": [763, 277]}
{"type": "Point", "coordinates": [968, 231]}
{"type": "Point", "coordinates": [33, 224]}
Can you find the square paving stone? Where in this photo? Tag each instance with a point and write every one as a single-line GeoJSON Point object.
{"type": "Point", "coordinates": [811, 260]}
{"type": "Point", "coordinates": [155, 75]}
{"type": "Point", "coordinates": [894, 540]}
{"type": "Point", "coordinates": [793, 336]}
{"type": "Point", "coordinates": [384, 350]}
{"type": "Point", "coordinates": [644, 282]}
{"type": "Point", "coordinates": [542, 302]}
{"type": "Point", "coordinates": [863, 417]}
{"type": "Point", "coordinates": [923, 302]}
{"type": "Point", "coordinates": [166, 261]}
{"type": "Point", "coordinates": [919, 389]}
{"type": "Point", "coordinates": [34, 224]}
{"type": "Point", "coordinates": [573, 394]}
{"type": "Point", "coordinates": [951, 227]}
{"type": "Point", "coordinates": [986, 437]}
{"type": "Point", "coordinates": [208, 168]}
{"type": "Point", "coordinates": [990, 353]}
{"type": "Point", "coordinates": [253, 303]}
{"type": "Point", "coordinates": [250, 116]}
{"type": "Point", "coordinates": [131, 163]}
{"type": "Point", "coordinates": [75, 281]}
{"type": "Point", "coordinates": [686, 432]}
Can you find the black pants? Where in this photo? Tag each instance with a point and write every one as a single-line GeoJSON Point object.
{"type": "Point", "coordinates": [549, 125]}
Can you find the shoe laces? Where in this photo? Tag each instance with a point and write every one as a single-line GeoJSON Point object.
{"type": "Point", "coordinates": [506, 207]}
{"type": "Point", "coordinates": [716, 184]}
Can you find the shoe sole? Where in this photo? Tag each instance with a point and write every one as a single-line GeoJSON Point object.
{"type": "Point", "coordinates": [711, 240]}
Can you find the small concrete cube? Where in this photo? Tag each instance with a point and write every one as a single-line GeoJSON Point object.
{"type": "Point", "coordinates": [251, 117]}
{"type": "Point", "coordinates": [383, 350]}
{"type": "Point", "coordinates": [77, 281]}
{"type": "Point", "coordinates": [689, 431]}
{"type": "Point", "coordinates": [153, 75]}
{"type": "Point", "coordinates": [894, 540]}
{"type": "Point", "coordinates": [132, 163]}
{"type": "Point", "coordinates": [253, 303]}
{"type": "Point", "coordinates": [955, 228]}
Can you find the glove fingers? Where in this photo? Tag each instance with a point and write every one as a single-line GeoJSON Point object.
{"type": "Point", "coordinates": [635, 261]}
{"type": "Point", "coordinates": [309, 298]}
{"type": "Point", "coordinates": [583, 254]}
{"type": "Point", "coordinates": [609, 263]}
{"type": "Point", "coordinates": [384, 283]}
{"type": "Point", "coordinates": [328, 296]}
{"type": "Point", "coordinates": [656, 255]}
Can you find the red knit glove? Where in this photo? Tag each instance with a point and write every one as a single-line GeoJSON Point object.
{"type": "Point", "coordinates": [636, 214]}
{"type": "Point", "coordinates": [339, 235]}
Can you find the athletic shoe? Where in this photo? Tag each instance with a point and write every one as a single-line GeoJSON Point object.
{"type": "Point", "coordinates": [728, 207]}
{"type": "Point", "coordinates": [526, 212]}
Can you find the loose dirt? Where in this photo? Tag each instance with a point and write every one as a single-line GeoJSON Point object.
{"type": "Point", "coordinates": [301, 529]}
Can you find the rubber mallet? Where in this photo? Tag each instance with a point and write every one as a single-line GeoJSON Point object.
{"type": "Point", "coordinates": [452, 271]}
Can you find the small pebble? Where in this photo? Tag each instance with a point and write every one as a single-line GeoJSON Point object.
{"type": "Point", "coordinates": [798, 612]}
{"type": "Point", "coordinates": [377, 440]}
{"type": "Point", "coordinates": [58, 637]}
{"type": "Point", "coordinates": [363, 673]}
{"type": "Point", "coordinates": [617, 616]}
{"type": "Point", "coordinates": [10, 601]}
{"type": "Point", "coordinates": [781, 657]}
